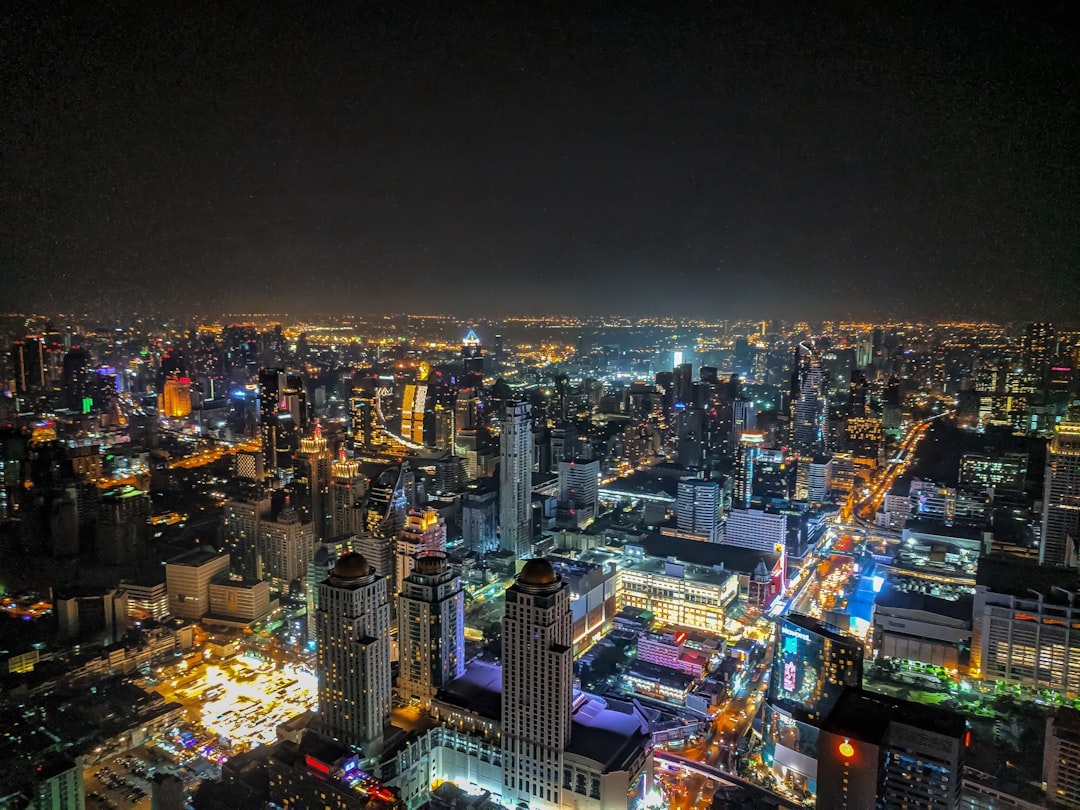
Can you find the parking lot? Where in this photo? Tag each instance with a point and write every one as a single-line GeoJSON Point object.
{"type": "Point", "coordinates": [122, 782]}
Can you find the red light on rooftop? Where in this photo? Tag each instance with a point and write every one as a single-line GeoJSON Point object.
{"type": "Point", "coordinates": [321, 767]}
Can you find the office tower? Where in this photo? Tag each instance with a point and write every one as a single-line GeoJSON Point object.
{"type": "Point", "coordinates": [175, 399]}
{"type": "Point", "coordinates": [123, 526]}
{"type": "Point", "coordinates": [364, 414]}
{"type": "Point", "coordinates": [249, 466]}
{"type": "Point", "coordinates": [326, 555]}
{"type": "Point", "coordinates": [541, 448]}
{"type": "Point", "coordinates": [690, 442]}
{"type": "Point", "coordinates": [858, 394]}
{"type": "Point", "coordinates": [413, 409]}
{"type": "Point", "coordinates": [563, 445]}
{"type": "Point", "coordinates": [243, 517]}
{"type": "Point", "coordinates": [57, 785]}
{"type": "Point", "coordinates": [682, 381]}
{"type": "Point", "coordinates": [709, 374]}
{"type": "Point", "coordinates": [313, 469]}
{"type": "Point", "coordinates": [431, 628]}
{"type": "Point", "coordinates": [282, 417]}
{"type": "Point", "coordinates": [450, 475]}
{"type": "Point", "coordinates": [97, 615]}
{"type": "Point", "coordinates": [1061, 497]}
{"type": "Point", "coordinates": [578, 493]}
{"type": "Point", "coordinates": [76, 381]}
{"type": "Point", "coordinates": [813, 478]}
{"type": "Point", "coordinates": [809, 422]}
{"type": "Point", "coordinates": [188, 578]}
{"type": "Point", "coordinates": [537, 685]}
{"type": "Point", "coordinates": [1061, 758]}
{"type": "Point", "coordinates": [352, 622]}
{"type": "Point", "coordinates": [743, 418]}
{"type": "Point", "coordinates": [697, 508]}
{"type": "Point", "coordinates": [480, 519]}
{"type": "Point", "coordinates": [424, 531]}
{"type": "Point", "coordinates": [1038, 345]}
{"type": "Point", "coordinates": [30, 366]}
{"type": "Point", "coordinates": [346, 497]}
{"type": "Point", "coordinates": [877, 751]}
{"type": "Point", "coordinates": [515, 479]}
{"type": "Point", "coordinates": [472, 356]}
{"type": "Point", "coordinates": [811, 667]}
{"type": "Point", "coordinates": [286, 546]}
{"type": "Point", "coordinates": [891, 404]}
{"type": "Point", "coordinates": [750, 447]}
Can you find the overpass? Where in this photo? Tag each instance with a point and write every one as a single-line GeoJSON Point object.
{"type": "Point", "coordinates": [724, 778]}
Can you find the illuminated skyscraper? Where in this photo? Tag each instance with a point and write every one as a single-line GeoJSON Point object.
{"type": "Point", "coordinates": [321, 566]}
{"type": "Point", "coordinates": [282, 417]}
{"type": "Point", "coordinates": [413, 407]}
{"type": "Point", "coordinates": [578, 492]}
{"type": "Point", "coordinates": [808, 427]}
{"type": "Point", "coordinates": [538, 686]}
{"type": "Point", "coordinates": [313, 473]}
{"type": "Point", "coordinates": [1038, 346]}
{"type": "Point", "coordinates": [424, 531]}
{"type": "Point", "coordinates": [353, 627]}
{"type": "Point", "coordinates": [1061, 498]}
{"type": "Point", "coordinates": [515, 479]}
{"type": "Point", "coordinates": [431, 628]}
{"type": "Point", "coordinates": [750, 446]}
{"type": "Point", "coordinates": [346, 496]}
{"type": "Point", "coordinates": [175, 400]}
{"type": "Point", "coordinates": [472, 356]}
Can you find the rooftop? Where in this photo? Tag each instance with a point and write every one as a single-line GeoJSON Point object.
{"type": "Point", "coordinates": [867, 715]}
{"type": "Point", "coordinates": [734, 558]}
{"type": "Point", "coordinates": [890, 597]}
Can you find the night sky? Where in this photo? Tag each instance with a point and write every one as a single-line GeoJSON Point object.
{"type": "Point", "coordinates": [726, 159]}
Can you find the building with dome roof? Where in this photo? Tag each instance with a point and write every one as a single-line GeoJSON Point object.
{"type": "Point", "coordinates": [352, 622]}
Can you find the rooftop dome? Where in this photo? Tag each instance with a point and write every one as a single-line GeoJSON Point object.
{"type": "Point", "coordinates": [537, 571]}
{"type": "Point", "coordinates": [351, 566]}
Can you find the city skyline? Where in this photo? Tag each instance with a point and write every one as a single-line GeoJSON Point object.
{"type": "Point", "coordinates": [779, 163]}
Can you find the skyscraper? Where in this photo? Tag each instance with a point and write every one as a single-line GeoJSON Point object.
{"type": "Point", "coordinates": [346, 497]}
{"type": "Point", "coordinates": [750, 446]}
{"type": "Point", "coordinates": [282, 417]}
{"type": "Point", "coordinates": [472, 356]}
{"type": "Point", "coordinates": [353, 628]}
{"type": "Point", "coordinates": [538, 685]}
{"type": "Point", "coordinates": [431, 628]}
{"type": "Point", "coordinates": [578, 492]}
{"type": "Point", "coordinates": [697, 509]}
{"type": "Point", "coordinates": [313, 473]}
{"type": "Point", "coordinates": [809, 423]}
{"type": "Point", "coordinates": [424, 531]}
{"type": "Point", "coordinates": [515, 479]}
{"type": "Point", "coordinates": [286, 546]}
{"type": "Point", "coordinates": [1061, 497]}
{"type": "Point", "coordinates": [1037, 346]}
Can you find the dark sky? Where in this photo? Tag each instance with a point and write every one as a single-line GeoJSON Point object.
{"type": "Point", "coordinates": [744, 158]}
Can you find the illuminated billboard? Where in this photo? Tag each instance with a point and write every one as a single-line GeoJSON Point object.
{"type": "Point", "coordinates": [811, 666]}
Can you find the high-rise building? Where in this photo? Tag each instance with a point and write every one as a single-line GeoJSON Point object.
{"type": "Point", "coordinates": [812, 665]}
{"type": "Point", "coordinates": [472, 355]}
{"type": "Point", "coordinates": [538, 686]}
{"type": "Point", "coordinates": [322, 563]}
{"type": "Point", "coordinates": [431, 628]}
{"type": "Point", "coordinates": [578, 493]}
{"type": "Point", "coordinates": [683, 382]}
{"type": "Point", "coordinates": [413, 409]}
{"type": "Point", "coordinates": [1061, 759]}
{"type": "Point", "coordinates": [515, 479]}
{"type": "Point", "coordinates": [57, 785]}
{"type": "Point", "coordinates": [877, 751]}
{"type": "Point", "coordinates": [243, 516]}
{"type": "Point", "coordinates": [1038, 346]}
{"type": "Point", "coordinates": [480, 519]}
{"type": "Point", "coordinates": [175, 400]}
{"type": "Point", "coordinates": [282, 416]}
{"type": "Point", "coordinates": [814, 478]}
{"type": "Point", "coordinates": [1061, 498]}
{"type": "Point", "coordinates": [808, 425]}
{"type": "Point", "coordinates": [353, 627]}
{"type": "Point", "coordinates": [424, 531]}
{"type": "Point", "coordinates": [313, 469]}
{"type": "Point", "coordinates": [123, 528]}
{"type": "Point", "coordinates": [346, 498]}
{"type": "Point", "coordinates": [697, 508]}
{"type": "Point", "coordinates": [750, 447]}
{"type": "Point", "coordinates": [286, 546]}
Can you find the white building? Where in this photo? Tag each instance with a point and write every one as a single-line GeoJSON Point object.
{"type": "Point", "coordinates": [237, 603]}
{"type": "Point", "coordinates": [755, 528]}
{"type": "Point", "coordinates": [353, 626]}
{"type": "Point", "coordinates": [515, 479]}
{"type": "Point", "coordinates": [431, 628]}
{"type": "Point", "coordinates": [538, 685]}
